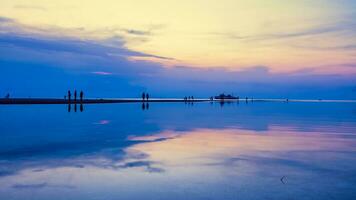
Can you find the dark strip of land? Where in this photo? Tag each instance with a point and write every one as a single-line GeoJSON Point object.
{"type": "Point", "coordinates": [87, 101]}
{"type": "Point", "coordinates": [138, 100]}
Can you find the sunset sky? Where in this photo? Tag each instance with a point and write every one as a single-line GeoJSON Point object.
{"type": "Point", "coordinates": [113, 48]}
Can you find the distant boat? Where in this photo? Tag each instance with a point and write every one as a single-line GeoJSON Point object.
{"type": "Point", "coordinates": [224, 96]}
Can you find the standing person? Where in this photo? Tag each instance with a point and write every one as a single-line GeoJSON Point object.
{"type": "Point", "coordinates": [147, 96]}
{"type": "Point", "coordinates": [192, 98]}
{"type": "Point", "coordinates": [69, 95]}
{"type": "Point", "coordinates": [143, 96]}
{"type": "Point", "coordinates": [75, 95]}
{"type": "Point", "coordinates": [81, 95]}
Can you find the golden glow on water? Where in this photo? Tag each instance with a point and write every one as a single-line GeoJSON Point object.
{"type": "Point", "coordinates": [193, 146]}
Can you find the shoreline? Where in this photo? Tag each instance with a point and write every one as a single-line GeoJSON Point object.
{"type": "Point", "coordinates": [25, 101]}
{"type": "Point", "coordinates": [89, 101]}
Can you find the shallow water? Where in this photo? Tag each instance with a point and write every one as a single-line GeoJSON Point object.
{"type": "Point", "coordinates": [260, 150]}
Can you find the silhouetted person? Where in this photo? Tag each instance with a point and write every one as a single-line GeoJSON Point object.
{"type": "Point", "coordinates": [143, 107]}
{"type": "Point", "coordinates": [147, 96]}
{"type": "Point", "coordinates": [81, 108]}
{"type": "Point", "coordinates": [69, 95]}
{"type": "Point", "coordinates": [75, 107]}
{"type": "Point", "coordinates": [75, 95]}
{"type": "Point", "coordinates": [7, 96]}
{"type": "Point", "coordinates": [192, 98]}
{"type": "Point", "coordinates": [65, 97]}
{"type": "Point", "coordinates": [81, 96]}
{"type": "Point", "coordinates": [143, 96]}
{"type": "Point", "coordinates": [69, 107]}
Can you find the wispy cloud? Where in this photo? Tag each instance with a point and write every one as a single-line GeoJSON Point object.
{"type": "Point", "coordinates": [102, 73]}
{"type": "Point", "coordinates": [30, 7]}
{"type": "Point", "coordinates": [6, 20]}
{"type": "Point", "coordinates": [40, 186]}
{"type": "Point", "coordinates": [16, 34]}
{"type": "Point", "coordinates": [342, 26]}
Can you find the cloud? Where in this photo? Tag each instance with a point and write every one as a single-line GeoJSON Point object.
{"type": "Point", "coordinates": [30, 186]}
{"type": "Point", "coordinates": [28, 56]}
{"type": "Point", "coordinates": [30, 7]}
{"type": "Point", "coordinates": [348, 47]}
{"type": "Point", "coordinates": [136, 32]}
{"type": "Point", "coordinates": [341, 26]}
{"type": "Point", "coordinates": [6, 20]}
{"type": "Point", "coordinates": [40, 186]}
{"type": "Point", "coordinates": [102, 73]}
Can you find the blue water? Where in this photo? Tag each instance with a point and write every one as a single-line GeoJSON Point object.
{"type": "Point", "coordinates": [260, 150]}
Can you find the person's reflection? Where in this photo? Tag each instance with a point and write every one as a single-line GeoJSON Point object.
{"type": "Point", "coordinates": [147, 106]}
{"type": "Point", "coordinates": [81, 107]}
{"type": "Point", "coordinates": [222, 103]}
{"type": "Point", "coordinates": [143, 107]}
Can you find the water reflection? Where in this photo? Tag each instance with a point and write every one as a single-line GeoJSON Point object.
{"type": "Point", "coordinates": [255, 151]}
{"type": "Point", "coordinates": [69, 107]}
{"type": "Point", "coordinates": [145, 106]}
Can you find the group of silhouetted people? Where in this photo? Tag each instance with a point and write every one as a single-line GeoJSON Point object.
{"type": "Point", "coordinates": [145, 96]}
{"type": "Point", "coordinates": [69, 96]}
{"type": "Point", "coordinates": [189, 98]}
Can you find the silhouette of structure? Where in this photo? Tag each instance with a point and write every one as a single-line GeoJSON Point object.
{"type": "Point", "coordinates": [224, 96]}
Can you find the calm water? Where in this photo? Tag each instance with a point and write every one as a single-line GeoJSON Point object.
{"type": "Point", "coordinates": [261, 150]}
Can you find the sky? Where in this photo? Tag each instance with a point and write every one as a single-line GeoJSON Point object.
{"type": "Point", "coordinates": [119, 48]}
